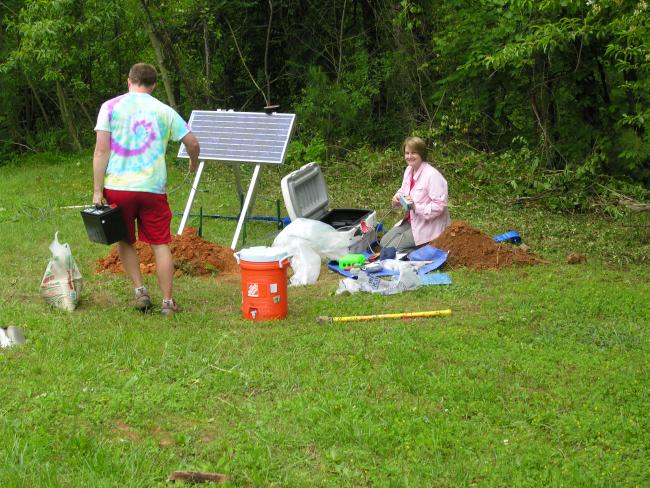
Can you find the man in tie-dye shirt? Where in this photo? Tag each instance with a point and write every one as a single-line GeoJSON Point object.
{"type": "Point", "coordinates": [129, 171]}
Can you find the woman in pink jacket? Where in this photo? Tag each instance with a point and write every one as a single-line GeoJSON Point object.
{"type": "Point", "coordinates": [423, 195]}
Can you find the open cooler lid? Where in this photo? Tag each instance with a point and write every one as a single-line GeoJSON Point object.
{"type": "Point", "coordinates": [305, 193]}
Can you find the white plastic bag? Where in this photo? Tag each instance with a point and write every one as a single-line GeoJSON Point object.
{"type": "Point", "coordinates": [61, 284]}
{"type": "Point", "coordinates": [11, 336]}
{"type": "Point", "coordinates": [305, 263]}
{"type": "Point", "coordinates": [319, 236]}
{"type": "Point", "coordinates": [407, 279]}
{"type": "Point", "coordinates": [307, 241]}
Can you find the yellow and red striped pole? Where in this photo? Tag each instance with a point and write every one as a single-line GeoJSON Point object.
{"type": "Point", "coordinates": [408, 315]}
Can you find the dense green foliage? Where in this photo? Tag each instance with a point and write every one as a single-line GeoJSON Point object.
{"type": "Point", "coordinates": [560, 87]}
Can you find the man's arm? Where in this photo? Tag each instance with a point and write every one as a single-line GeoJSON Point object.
{"type": "Point", "coordinates": [193, 150]}
{"type": "Point", "coordinates": [100, 162]}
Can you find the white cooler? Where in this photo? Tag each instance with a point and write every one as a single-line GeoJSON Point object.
{"type": "Point", "coordinates": [305, 196]}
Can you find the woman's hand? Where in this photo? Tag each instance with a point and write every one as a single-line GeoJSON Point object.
{"type": "Point", "coordinates": [395, 200]}
{"type": "Point", "coordinates": [410, 202]}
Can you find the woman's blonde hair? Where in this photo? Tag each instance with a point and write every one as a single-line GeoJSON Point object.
{"type": "Point", "coordinates": [416, 145]}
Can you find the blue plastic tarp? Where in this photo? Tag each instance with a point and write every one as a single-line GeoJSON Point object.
{"type": "Point", "coordinates": [435, 279]}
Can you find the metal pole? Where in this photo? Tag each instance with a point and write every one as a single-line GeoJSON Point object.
{"type": "Point", "coordinates": [250, 195]}
{"type": "Point", "coordinates": [407, 315]}
{"type": "Point", "coordinates": [200, 221]}
{"type": "Point", "coordinates": [237, 172]}
{"type": "Point", "coordinates": [190, 199]}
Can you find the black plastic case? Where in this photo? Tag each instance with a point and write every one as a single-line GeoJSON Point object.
{"type": "Point", "coordinates": [104, 225]}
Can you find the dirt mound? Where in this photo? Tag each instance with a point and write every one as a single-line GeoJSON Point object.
{"type": "Point", "coordinates": [192, 255]}
{"type": "Point", "coordinates": [471, 248]}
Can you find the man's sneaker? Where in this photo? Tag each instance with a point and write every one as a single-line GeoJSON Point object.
{"type": "Point", "coordinates": [142, 299]}
{"type": "Point", "coordinates": [169, 307]}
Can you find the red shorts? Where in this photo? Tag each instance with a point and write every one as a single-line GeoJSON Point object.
{"type": "Point", "coordinates": [151, 210]}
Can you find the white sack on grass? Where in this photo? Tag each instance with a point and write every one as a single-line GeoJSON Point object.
{"type": "Point", "coordinates": [61, 284]}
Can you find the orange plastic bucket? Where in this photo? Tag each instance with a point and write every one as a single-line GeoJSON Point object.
{"type": "Point", "coordinates": [263, 282]}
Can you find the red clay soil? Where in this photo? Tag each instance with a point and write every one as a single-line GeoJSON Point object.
{"type": "Point", "coordinates": [471, 248]}
{"type": "Point", "coordinates": [192, 255]}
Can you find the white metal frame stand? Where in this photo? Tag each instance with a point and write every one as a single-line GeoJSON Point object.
{"type": "Point", "coordinates": [246, 208]}
{"type": "Point", "coordinates": [262, 137]}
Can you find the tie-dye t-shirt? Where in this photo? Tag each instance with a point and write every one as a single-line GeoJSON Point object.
{"type": "Point", "coordinates": [140, 127]}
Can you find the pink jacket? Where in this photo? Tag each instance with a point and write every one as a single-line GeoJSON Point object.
{"type": "Point", "coordinates": [431, 215]}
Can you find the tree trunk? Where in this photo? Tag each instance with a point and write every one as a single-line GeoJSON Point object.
{"type": "Point", "coordinates": [630, 76]}
{"type": "Point", "coordinates": [85, 111]}
{"type": "Point", "coordinates": [65, 116]}
{"type": "Point", "coordinates": [160, 57]}
{"type": "Point", "coordinates": [38, 101]}
{"type": "Point", "coordinates": [206, 49]}
{"type": "Point", "coordinates": [603, 81]}
{"type": "Point", "coordinates": [207, 53]}
{"type": "Point", "coordinates": [369, 17]}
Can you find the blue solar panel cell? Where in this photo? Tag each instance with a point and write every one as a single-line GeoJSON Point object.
{"type": "Point", "coordinates": [246, 137]}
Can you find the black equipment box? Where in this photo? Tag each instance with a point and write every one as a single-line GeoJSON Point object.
{"type": "Point", "coordinates": [345, 217]}
{"type": "Point", "coordinates": [104, 224]}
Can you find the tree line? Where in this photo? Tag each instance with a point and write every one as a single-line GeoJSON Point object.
{"type": "Point", "coordinates": [567, 79]}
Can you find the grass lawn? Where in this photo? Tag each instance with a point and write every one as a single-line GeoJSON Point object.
{"type": "Point", "coordinates": [539, 378]}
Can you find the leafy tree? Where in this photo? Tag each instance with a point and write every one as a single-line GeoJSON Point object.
{"type": "Point", "coordinates": [560, 85]}
{"type": "Point", "coordinates": [58, 47]}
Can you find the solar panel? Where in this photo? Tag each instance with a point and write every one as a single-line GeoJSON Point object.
{"type": "Point", "coordinates": [247, 137]}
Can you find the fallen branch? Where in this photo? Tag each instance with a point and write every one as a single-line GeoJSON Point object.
{"type": "Point", "coordinates": [532, 198]}
{"type": "Point", "coordinates": [634, 205]}
{"type": "Point", "coordinates": [198, 477]}
{"type": "Point", "coordinates": [628, 202]}
{"type": "Point", "coordinates": [19, 144]}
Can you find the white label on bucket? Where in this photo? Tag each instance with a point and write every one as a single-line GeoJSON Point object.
{"type": "Point", "coordinates": [273, 287]}
{"type": "Point", "coordinates": [253, 290]}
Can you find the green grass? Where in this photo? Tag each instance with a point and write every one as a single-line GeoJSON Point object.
{"type": "Point", "coordinates": [539, 378]}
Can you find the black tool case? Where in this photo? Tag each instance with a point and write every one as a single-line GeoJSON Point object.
{"type": "Point", "coordinates": [104, 225]}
